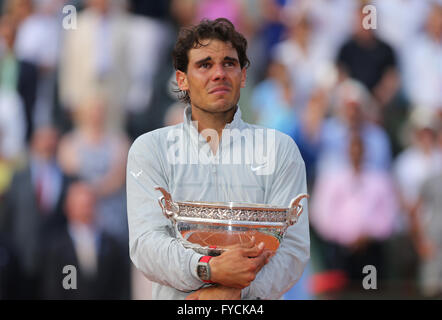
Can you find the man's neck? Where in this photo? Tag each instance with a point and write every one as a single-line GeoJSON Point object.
{"type": "Point", "coordinates": [208, 122]}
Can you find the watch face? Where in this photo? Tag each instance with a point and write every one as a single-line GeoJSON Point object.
{"type": "Point", "coordinates": [202, 272]}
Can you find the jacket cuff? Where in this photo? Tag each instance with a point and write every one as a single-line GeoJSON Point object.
{"type": "Point", "coordinates": [193, 264]}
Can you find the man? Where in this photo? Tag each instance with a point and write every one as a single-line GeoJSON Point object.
{"type": "Point", "coordinates": [192, 163]}
{"type": "Point", "coordinates": [101, 263]}
{"type": "Point", "coordinates": [32, 206]}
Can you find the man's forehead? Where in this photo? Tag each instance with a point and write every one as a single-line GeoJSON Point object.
{"type": "Point", "coordinates": [212, 48]}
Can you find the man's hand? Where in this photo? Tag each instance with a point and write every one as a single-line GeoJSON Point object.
{"type": "Point", "coordinates": [216, 292]}
{"type": "Point", "coordinates": [238, 266]}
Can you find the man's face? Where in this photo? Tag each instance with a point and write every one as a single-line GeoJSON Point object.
{"type": "Point", "coordinates": [214, 76]}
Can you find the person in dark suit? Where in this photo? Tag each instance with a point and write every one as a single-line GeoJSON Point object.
{"type": "Point", "coordinates": [101, 266]}
{"type": "Point", "coordinates": [32, 207]}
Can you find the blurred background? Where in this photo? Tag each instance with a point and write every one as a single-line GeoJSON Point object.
{"type": "Point", "coordinates": [363, 105]}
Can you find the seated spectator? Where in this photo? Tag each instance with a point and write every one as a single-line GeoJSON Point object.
{"type": "Point", "coordinates": [32, 207]}
{"type": "Point", "coordinates": [12, 127]}
{"type": "Point", "coordinates": [212, 9]}
{"type": "Point", "coordinates": [95, 57]}
{"type": "Point", "coordinates": [427, 226]}
{"type": "Point", "coordinates": [273, 100]}
{"type": "Point", "coordinates": [423, 71]}
{"type": "Point", "coordinates": [401, 21]}
{"type": "Point", "coordinates": [307, 132]}
{"type": "Point", "coordinates": [98, 156]}
{"type": "Point", "coordinates": [351, 110]}
{"type": "Point", "coordinates": [333, 21]}
{"type": "Point", "coordinates": [18, 84]}
{"type": "Point", "coordinates": [354, 211]}
{"type": "Point", "coordinates": [427, 230]}
{"type": "Point", "coordinates": [101, 266]}
{"type": "Point", "coordinates": [303, 57]}
{"type": "Point", "coordinates": [419, 161]}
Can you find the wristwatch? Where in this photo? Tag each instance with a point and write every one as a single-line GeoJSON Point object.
{"type": "Point", "coordinates": [203, 269]}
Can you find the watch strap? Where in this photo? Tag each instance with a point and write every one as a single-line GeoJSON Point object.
{"type": "Point", "coordinates": [206, 259]}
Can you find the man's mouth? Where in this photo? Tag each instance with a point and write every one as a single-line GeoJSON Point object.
{"type": "Point", "coordinates": [219, 90]}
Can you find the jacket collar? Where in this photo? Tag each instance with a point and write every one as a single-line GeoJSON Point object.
{"type": "Point", "coordinates": [191, 126]}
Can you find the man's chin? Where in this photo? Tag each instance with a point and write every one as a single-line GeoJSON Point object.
{"type": "Point", "coordinates": [219, 107]}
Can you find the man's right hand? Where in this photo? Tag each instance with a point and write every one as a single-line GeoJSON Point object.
{"type": "Point", "coordinates": [238, 266]}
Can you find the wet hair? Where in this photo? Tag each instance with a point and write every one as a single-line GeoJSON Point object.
{"type": "Point", "coordinates": [191, 38]}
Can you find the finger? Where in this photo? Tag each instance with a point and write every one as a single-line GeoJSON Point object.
{"type": "Point", "coordinates": [261, 261]}
{"type": "Point", "coordinates": [254, 251]}
{"type": "Point", "coordinates": [250, 243]}
{"type": "Point", "coordinates": [246, 244]}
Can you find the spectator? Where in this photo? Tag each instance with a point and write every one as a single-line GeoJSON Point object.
{"type": "Point", "coordinates": [212, 9]}
{"type": "Point", "coordinates": [95, 57]}
{"type": "Point", "coordinates": [272, 27]}
{"type": "Point", "coordinates": [148, 40]}
{"type": "Point", "coordinates": [399, 21]}
{"type": "Point", "coordinates": [354, 210]}
{"type": "Point", "coordinates": [102, 266]}
{"type": "Point", "coordinates": [37, 43]}
{"type": "Point", "coordinates": [351, 110]}
{"type": "Point", "coordinates": [98, 156]}
{"type": "Point", "coordinates": [273, 100]}
{"type": "Point", "coordinates": [427, 229]}
{"type": "Point", "coordinates": [423, 69]}
{"type": "Point", "coordinates": [371, 61]}
{"type": "Point", "coordinates": [32, 207]}
{"type": "Point", "coordinates": [332, 22]}
{"type": "Point", "coordinates": [302, 56]}
{"type": "Point", "coordinates": [427, 226]}
{"type": "Point", "coordinates": [18, 82]}
{"type": "Point", "coordinates": [419, 161]}
{"type": "Point", "coordinates": [12, 128]}
{"type": "Point", "coordinates": [307, 133]}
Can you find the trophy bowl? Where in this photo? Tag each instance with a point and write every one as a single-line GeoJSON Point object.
{"type": "Point", "coordinates": [210, 228]}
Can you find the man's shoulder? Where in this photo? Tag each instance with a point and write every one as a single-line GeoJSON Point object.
{"type": "Point", "coordinates": [283, 141]}
{"type": "Point", "coordinates": [156, 136]}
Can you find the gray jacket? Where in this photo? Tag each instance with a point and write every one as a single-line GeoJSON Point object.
{"type": "Point", "coordinates": [178, 159]}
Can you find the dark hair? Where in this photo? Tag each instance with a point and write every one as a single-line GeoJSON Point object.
{"type": "Point", "coordinates": [191, 37]}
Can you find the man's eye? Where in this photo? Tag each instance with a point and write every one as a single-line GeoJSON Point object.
{"type": "Point", "coordinates": [229, 64]}
{"type": "Point", "coordinates": [205, 65]}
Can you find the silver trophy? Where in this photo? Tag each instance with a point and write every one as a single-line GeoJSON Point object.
{"type": "Point", "coordinates": [210, 228]}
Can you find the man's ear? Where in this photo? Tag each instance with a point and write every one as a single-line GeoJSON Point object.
{"type": "Point", "coordinates": [243, 77]}
{"type": "Point", "coordinates": [181, 79]}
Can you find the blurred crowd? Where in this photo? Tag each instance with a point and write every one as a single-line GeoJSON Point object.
{"type": "Point", "coordinates": [364, 105]}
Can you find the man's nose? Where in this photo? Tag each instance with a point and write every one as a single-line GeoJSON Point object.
{"type": "Point", "coordinates": [219, 73]}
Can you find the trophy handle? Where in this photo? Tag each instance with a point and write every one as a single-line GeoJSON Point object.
{"type": "Point", "coordinates": [170, 210]}
{"type": "Point", "coordinates": [297, 208]}
{"type": "Point", "coordinates": [167, 205]}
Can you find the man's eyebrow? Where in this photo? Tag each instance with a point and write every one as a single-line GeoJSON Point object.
{"type": "Point", "coordinates": [207, 59]}
{"type": "Point", "coordinates": [227, 58]}
{"type": "Point", "coordinates": [204, 60]}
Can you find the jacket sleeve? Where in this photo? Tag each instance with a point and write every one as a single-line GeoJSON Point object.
{"type": "Point", "coordinates": [153, 248]}
{"type": "Point", "coordinates": [287, 265]}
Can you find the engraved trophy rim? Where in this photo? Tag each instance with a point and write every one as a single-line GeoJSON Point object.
{"type": "Point", "coordinates": [250, 215]}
